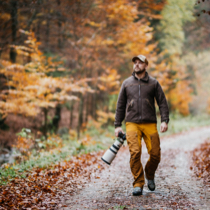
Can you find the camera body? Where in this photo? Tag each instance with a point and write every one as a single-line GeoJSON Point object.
{"type": "Point", "coordinates": [111, 153]}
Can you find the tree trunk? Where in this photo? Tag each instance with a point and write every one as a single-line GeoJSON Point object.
{"type": "Point", "coordinates": [47, 33]}
{"type": "Point", "coordinates": [56, 118]}
{"type": "Point", "coordinates": [45, 123]}
{"type": "Point", "coordinates": [94, 106]}
{"type": "Point", "coordinates": [71, 114]}
{"type": "Point", "coordinates": [14, 19]}
{"type": "Point", "coordinates": [87, 107]}
{"type": "Point", "coordinates": [59, 25]}
{"type": "Point", "coordinates": [38, 30]}
{"type": "Point", "coordinates": [80, 121]}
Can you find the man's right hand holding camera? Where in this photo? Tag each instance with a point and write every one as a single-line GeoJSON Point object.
{"type": "Point", "coordinates": [117, 130]}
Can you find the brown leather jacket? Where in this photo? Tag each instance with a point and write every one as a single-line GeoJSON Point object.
{"type": "Point", "coordinates": [136, 101]}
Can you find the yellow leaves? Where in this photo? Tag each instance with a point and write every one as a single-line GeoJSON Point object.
{"type": "Point", "coordinates": [22, 50]}
{"type": "Point", "coordinates": [14, 68]}
{"type": "Point", "coordinates": [73, 134]}
{"type": "Point", "coordinates": [62, 97]}
{"type": "Point", "coordinates": [134, 37]}
{"type": "Point", "coordinates": [103, 117]}
{"type": "Point", "coordinates": [107, 42]}
{"type": "Point", "coordinates": [31, 87]}
{"type": "Point", "coordinates": [17, 106]}
{"type": "Point", "coordinates": [109, 81]}
{"type": "Point", "coordinates": [23, 142]}
{"type": "Point", "coordinates": [121, 10]}
{"type": "Point", "coordinates": [5, 63]}
{"type": "Point", "coordinates": [5, 165]}
{"type": "Point", "coordinates": [46, 104]}
{"type": "Point", "coordinates": [180, 97]}
{"type": "Point", "coordinates": [40, 14]}
{"type": "Point", "coordinates": [92, 23]}
{"type": "Point", "coordinates": [87, 140]}
{"type": "Point", "coordinates": [101, 87]}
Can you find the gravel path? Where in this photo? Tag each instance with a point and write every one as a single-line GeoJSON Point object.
{"type": "Point", "coordinates": [176, 185]}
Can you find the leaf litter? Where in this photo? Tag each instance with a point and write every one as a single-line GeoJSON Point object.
{"type": "Point", "coordinates": [46, 188]}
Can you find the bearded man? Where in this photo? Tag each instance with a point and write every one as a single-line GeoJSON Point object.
{"type": "Point", "coordinates": [136, 104]}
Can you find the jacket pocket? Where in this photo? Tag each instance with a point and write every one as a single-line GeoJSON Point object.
{"type": "Point", "coordinates": [130, 105]}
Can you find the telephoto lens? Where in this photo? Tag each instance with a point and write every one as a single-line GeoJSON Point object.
{"type": "Point", "coordinates": [111, 153]}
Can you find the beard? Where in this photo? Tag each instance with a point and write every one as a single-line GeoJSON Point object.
{"type": "Point", "coordinates": [140, 71]}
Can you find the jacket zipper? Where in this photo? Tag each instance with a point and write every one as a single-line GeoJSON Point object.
{"type": "Point", "coordinates": [139, 97]}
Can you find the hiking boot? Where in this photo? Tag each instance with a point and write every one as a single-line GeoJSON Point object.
{"type": "Point", "coordinates": [151, 184]}
{"type": "Point", "coordinates": [137, 191]}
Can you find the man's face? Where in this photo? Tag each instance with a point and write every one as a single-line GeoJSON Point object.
{"type": "Point", "coordinates": [139, 66]}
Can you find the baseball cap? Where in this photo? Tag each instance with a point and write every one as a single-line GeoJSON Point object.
{"type": "Point", "coordinates": [142, 58]}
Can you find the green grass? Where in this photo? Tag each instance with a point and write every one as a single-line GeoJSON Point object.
{"type": "Point", "coordinates": [46, 159]}
{"type": "Point", "coordinates": [179, 123]}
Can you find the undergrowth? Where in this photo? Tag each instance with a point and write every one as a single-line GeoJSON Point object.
{"type": "Point", "coordinates": [94, 138]}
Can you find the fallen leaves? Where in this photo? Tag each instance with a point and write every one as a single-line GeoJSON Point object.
{"type": "Point", "coordinates": [45, 188]}
{"type": "Point", "coordinates": [201, 160]}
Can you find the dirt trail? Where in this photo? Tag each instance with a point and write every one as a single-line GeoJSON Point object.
{"type": "Point", "coordinates": [176, 186]}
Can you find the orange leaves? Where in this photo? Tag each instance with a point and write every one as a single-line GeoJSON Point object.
{"type": "Point", "coordinates": [45, 189]}
{"type": "Point", "coordinates": [130, 36]}
{"type": "Point", "coordinates": [120, 10]}
{"type": "Point", "coordinates": [134, 38]}
{"type": "Point", "coordinates": [87, 140]}
{"type": "Point", "coordinates": [180, 97]}
{"type": "Point", "coordinates": [201, 161]}
{"type": "Point", "coordinates": [29, 86]}
{"type": "Point", "coordinates": [173, 78]}
{"type": "Point", "coordinates": [103, 117]}
{"type": "Point", "coordinates": [92, 23]}
{"type": "Point", "coordinates": [109, 81]}
{"type": "Point", "coordinates": [151, 8]}
{"type": "Point", "coordinates": [23, 144]}
{"type": "Point", "coordinates": [108, 42]}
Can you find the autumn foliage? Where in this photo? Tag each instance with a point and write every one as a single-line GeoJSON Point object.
{"type": "Point", "coordinates": [29, 86]}
{"type": "Point", "coordinates": [201, 162]}
{"type": "Point", "coordinates": [45, 188]}
{"type": "Point", "coordinates": [73, 55]}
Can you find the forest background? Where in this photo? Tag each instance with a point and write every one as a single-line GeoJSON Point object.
{"type": "Point", "coordinates": [62, 64]}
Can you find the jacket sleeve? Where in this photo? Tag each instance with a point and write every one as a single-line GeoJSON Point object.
{"type": "Point", "coordinates": [162, 103]}
{"type": "Point", "coordinates": [121, 107]}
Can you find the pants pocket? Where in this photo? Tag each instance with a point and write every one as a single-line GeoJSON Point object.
{"type": "Point", "coordinates": [155, 144]}
{"type": "Point", "coordinates": [132, 140]}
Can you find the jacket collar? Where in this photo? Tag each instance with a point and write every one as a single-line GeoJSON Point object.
{"type": "Point", "coordinates": [145, 78]}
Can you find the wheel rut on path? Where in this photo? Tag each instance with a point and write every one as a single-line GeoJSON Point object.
{"type": "Point", "coordinates": [176, 185]}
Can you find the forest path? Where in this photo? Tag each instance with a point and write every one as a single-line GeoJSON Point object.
{"type": "Point", "coordinates": [176, 185]}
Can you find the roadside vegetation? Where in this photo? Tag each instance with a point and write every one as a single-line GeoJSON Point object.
{"type": "Point", "coordinates": [201, 162]}
{"type": "Point", "coordinates": [45, 153]}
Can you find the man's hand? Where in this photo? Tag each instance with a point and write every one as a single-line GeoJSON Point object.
{"type": "Point", "coordinates": [117, 130]}
{"type": "Point", "coordinates": [163, 127]}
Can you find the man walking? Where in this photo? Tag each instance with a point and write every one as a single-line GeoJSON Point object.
{"type": "Point", "coordinates": [137, 105]}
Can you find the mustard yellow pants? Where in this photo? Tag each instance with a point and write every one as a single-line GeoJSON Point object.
{"type": "Point", "coordinates": [134, 134]}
